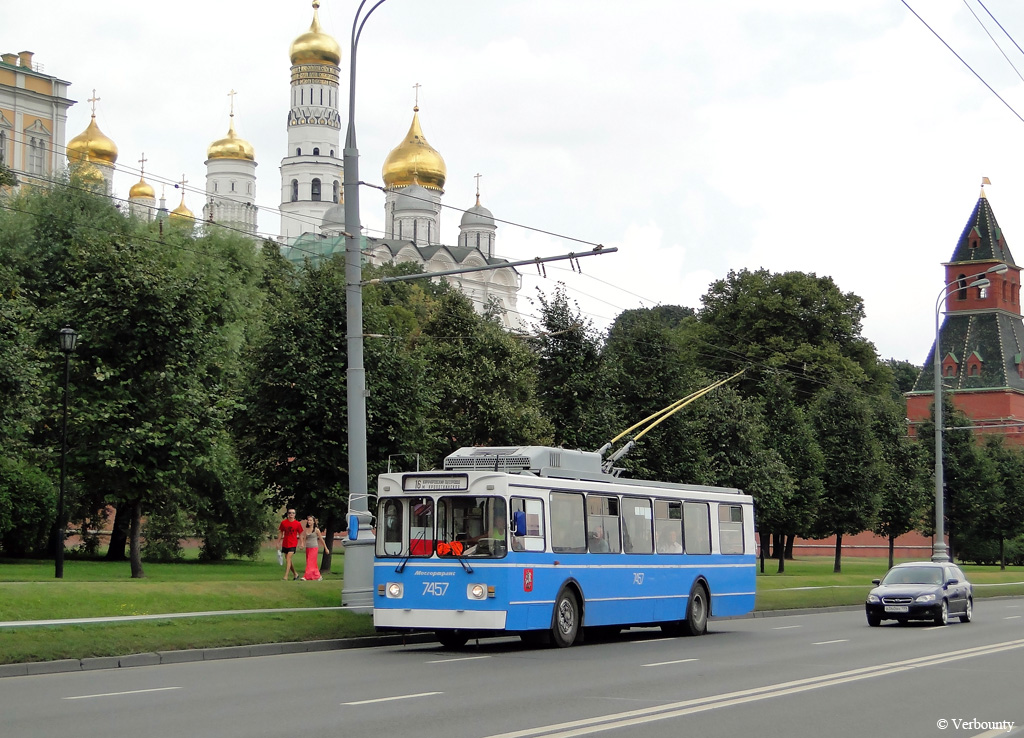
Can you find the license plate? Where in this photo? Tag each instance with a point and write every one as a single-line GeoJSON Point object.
{"type": "Point", "coordinates": [897, 608]}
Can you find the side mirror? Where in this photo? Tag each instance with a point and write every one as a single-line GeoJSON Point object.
{"type": "Point", "coordinates": [518, 522]}
{"type": "Point", "coordinates": [876, 582]}
{"type": "Point", "coordinates": [949, 582]}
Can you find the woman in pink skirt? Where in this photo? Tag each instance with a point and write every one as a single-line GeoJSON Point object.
{"type": "Point", "coordinates": [312, 536]}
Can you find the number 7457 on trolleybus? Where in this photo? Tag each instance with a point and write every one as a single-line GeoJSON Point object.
{"type": "Point", "coordinates": [542, 542]}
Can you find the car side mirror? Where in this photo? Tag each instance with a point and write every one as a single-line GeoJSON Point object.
{"type": "Point", "coordinates": [876, 582]}
{"type": "Point", "coordinates": [949, 582]}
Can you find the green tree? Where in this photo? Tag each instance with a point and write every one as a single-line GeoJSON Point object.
{"type": "Point", "coordinates": [645, 372]}
{"type": "Point", "coordinates": [849, 502]}
{"type": "Point", "coordinates": [161, 320]}
{"type": "Point", "coordinates": [904, 375]}
{"type": "Point", "coordinates": [904, 481]}
{"type": "Point", "coordinates": [484, 379]}
{"type": "Point", "coordinates": [569, 382]}
{"type": "Point", "coordinates": [999, 509]}
{"type": "Point", "coordinates": [792, 322]}
{"type": "Point", "coordinates": [294, 427]}
{"type": "Point", "coordinates": [791, 434]}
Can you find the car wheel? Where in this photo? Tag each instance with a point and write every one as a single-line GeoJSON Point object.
{"type": "Point", "coordinates": [969, 612]}
{"type": "Point", "coordinates": [942, 617]}
{"type": "Point", "coordinates": [452, 638]}
{"type": "Point", "coordinates": [696, 622]}
{"type": "Point", "coordinates": [567, 619]}
{"type": "Point", "coordinates": [874, 621]}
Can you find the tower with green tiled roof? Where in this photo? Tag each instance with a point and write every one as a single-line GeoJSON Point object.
{"type": "Point", "coordinates": [981, 339]}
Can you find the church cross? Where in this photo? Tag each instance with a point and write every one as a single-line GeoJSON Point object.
{"type": "Point", "coordinates": [232, 96]}
{"type": "Point", "coordinates": [417, 87]}
{"type": "Point", "coordinates": [93, 100]}
{"type": "Point", "coordinates": [183, 182]}
{"type": "Point", "coordinates": [142, 163]}
{"type": "Point", "coordinates": [477, 178]}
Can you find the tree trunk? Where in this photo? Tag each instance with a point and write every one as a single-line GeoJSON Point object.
{"type": "Point", "coordinates": [838, 568]}
{"type": "Point", "coordinates": [761, 552]}
{"type": "Point", "coordinates": [892, 548]}
{"type": "Point", "coordinates": [135, 540]}
{"type": "Point", "coordinates": [119, 534]}
{"type": "Point", "coordinates": [790, 540]}
{"type": "Point", "coordinates": [1002, 553]}
{"type": "Point", "coordinates": [780, 553]}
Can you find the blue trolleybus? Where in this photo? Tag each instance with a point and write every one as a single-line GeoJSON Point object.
{"type": "Point", "coordinates": [542, 542]}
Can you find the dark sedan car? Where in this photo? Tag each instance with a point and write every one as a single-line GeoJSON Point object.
{"type": "Point", "coordinates": [922, 590]}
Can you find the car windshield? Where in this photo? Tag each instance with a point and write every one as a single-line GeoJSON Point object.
{"type": "Point", "coordinates": [914, 575]}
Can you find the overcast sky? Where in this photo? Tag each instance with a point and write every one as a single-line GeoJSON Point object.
{"type": "Point", "coordinates": [842, 139]}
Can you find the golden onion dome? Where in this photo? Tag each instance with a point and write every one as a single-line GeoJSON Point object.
{"type": "Point", "coordinates": [232, 146]}
{"type": "Point", "coordinates": [141, 189]}
{"type": "Point", "coordinates": [92, 145]}
{"type": "Point", "coordinates": [315, 46]}
{"type": "Point", "coordinates": [181, 212]}
{"type": "Point", "coordinates": [414, 161]}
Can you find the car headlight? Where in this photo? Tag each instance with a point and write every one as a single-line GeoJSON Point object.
{"type": "Point", "coordinates": [926, 598]}
{"type": "Point", "coordinates": [394, 590]}
{"type": "Point", "coordinates": [873, 599]}
{"type": "Point", "coordinates": [476, 591]}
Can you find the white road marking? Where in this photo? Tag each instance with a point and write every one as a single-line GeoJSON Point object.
{"type": "Point", "coordinates": [390, 699]}
{"type": "Point", "coordinates": [1013, 617]}
{"type": "Point", "coordinates": [786, 627]}
{"type": "Point", "coordinates": [666, 663]}
{"type": "Point", "coordinates": [461, 658]}
{"type": "Point", "coordinates": [654, 640]}
{"type": "Point", "coordinates": [118, 694]}
{"type": "Point", "coordinates": [633, 718]}
{"type": "Point", "coordinates": [825, 643]}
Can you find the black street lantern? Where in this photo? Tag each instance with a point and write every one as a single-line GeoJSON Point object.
{"type": "Point", "coordinates": [68, 340]}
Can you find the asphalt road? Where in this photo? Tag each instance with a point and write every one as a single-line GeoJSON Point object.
{"type": "Point", "coordinates": [797, 675]}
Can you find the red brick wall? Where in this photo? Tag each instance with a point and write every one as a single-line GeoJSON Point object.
{"type": "Point", "coordinates": [909, 546]}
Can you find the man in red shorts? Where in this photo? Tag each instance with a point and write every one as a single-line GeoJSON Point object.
{"type": "Point", "coordinates": [288, 540]}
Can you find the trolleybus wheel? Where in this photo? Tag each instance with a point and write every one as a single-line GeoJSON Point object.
{"type": "Point", "coordinates": [567, 619]}
{"type": "Point", "coordinates": [452, 638]}
{"type": "Point", "coordinates": [696, 622]}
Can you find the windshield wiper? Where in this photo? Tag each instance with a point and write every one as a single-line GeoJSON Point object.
{"type": "Point", "coordinates": [401, 567]}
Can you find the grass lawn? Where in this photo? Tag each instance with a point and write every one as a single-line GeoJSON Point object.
{"type": "Point", "coordinates": [28, 591]}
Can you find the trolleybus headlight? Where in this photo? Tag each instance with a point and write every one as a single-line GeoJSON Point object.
{"type": "Point", "coordinates": [394, 590]}
{"type": "Point", "coordinates": [477, 591]}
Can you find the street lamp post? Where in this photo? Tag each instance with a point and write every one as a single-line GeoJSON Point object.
{"type": "Point", "coordinates": [68, 339]}
{"type": "Point", "coordinates": [940, 552]}
{"type": "Point", "coordinates": [357, 588]}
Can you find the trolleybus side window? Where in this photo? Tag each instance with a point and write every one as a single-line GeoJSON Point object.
{"type": "Point", "coordinates": [668, 526]}
{"type": "Point", "coordinates": [696, 528]}
{"type": "Point", "coordinates": [730, 529]}
{"type": "Point", "coordinates": [527, 533]}
{"type": "Point", "coordinates": [568, 527]}
{"type": "Point", "coordinates": [389, 524]}
{"type": "Point", "coordinates": [636, 525]}
{"type": "Point", "coordinates": [603, 524]}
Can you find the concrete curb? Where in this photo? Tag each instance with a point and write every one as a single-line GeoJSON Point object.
{"type": "Point", "coordinates": [207, 654]}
